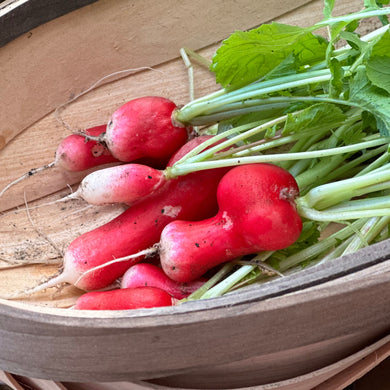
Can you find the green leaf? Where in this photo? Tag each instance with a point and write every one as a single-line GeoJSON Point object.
{"type": "Point", "coordinates": [336, 83]}
{"type": "Point", "coordinates": [352, 26]}
{"type": "Point", "coordinates": [287, 67]}
{"type": "Point", "coordinates": [378, 72]}
{"type": "Point", "coordinates": [369, 121]}
{"type": "Point", "coordinates": [248, 56]}
{"type": "Point", "coordinates": [377, 3]}
{"type": "Point", "coordinates": [382, 46]}
{"type": "Point", "coordinates": [310, 235]}
{"type": "Point", "coordinates": [314, 118]}
{"type": "Point", "coordinates": [370, 4]}
{"type": "Point", "coordinates": [353, 39]}
{"type": "Point", "coordinates": [328, 8]}
{"type": "Point", "coordinates": [371, 98]}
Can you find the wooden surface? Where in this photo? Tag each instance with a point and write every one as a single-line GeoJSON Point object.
{"type": "Point", "coordinates": [275, 332]}
{"type": "Point", "coordinates": [337, 376]}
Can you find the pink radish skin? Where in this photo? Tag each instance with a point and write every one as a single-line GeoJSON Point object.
{"type": "Point", "coordinates": [143, 128]}
{"type": "Point", "coordinates": [126, 183]}
{"type": "Point", "coordinates": [124, 299]}
{"type": "Point", "coordinates": [76, 154]}
{"type": "Point", "coordinates": [191, 197]}
{"type": "Point", "coordinates": [256, 212]}
{"type": "Point", "coordinates": [145, 274]}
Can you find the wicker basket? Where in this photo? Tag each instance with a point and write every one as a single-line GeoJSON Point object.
{"type": "Point", "coordinates": [292, 333]}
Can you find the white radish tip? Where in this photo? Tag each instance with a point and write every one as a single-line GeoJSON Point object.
{"type": "Point", "coordinates": [28, 174]}
{"type": "Point", "coordinates": [51, 282]}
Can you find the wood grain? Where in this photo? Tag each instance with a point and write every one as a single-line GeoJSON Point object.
{"type": "Point", "coordinates": [336, 376]}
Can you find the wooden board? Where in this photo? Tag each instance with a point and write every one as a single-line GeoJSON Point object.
{"type": "Point", "coordinates": [336, 376]}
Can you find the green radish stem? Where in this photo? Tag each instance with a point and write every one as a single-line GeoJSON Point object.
{"type": "Point", "coordinates": [226, 284]}
{"type": "Point", "coordinates": [321, 247]}
{"type": "Point", "coordinates": [242, 132]}
{"type": "Point", "coordinates": [183, 169]}
{"type": "Point", "coordinates": [223, 271]}
{"type": "Point", "coordinates": [344, 169]}
{"type": "Point", "coordinates": [211, 104]}
{"type": "Point", "coordinates": [370, 231]}
{"type": "Point", "coordinates": [211, 289]}
{"type": "Point", "coordinates": [329, 194]}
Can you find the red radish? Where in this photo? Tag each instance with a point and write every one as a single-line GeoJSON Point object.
{"type": "Point", "coordinates": [126, 183]}
{"type": "Point", "coordinates": [74, 153]}
{"type": "Point", "coordinates": [145, 274]}
{"type": "Point", "coordinates": [142, 128]}
{"type": "Point", "coordinates": [191, 197]}
{"type": "Point", "coordinates": [124, 299]}
{"type": "Point", "coordinates": [256, 212]}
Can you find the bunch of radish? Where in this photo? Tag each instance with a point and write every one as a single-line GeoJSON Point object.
{"type": "Point", "coordinates": [191, 223]}
{"type": "Point", "coordinates": [256, 213]}
{"type": "Point", "coordinates": [196, 204]}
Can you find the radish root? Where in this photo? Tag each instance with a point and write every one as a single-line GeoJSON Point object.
{"type": "Point", "coordinates": [30, 173]}
{"type": "Point", "coordinates": [146, 252]}
{"type": "Point", "coordinates": [100, 82]}
{"type": "Point", "coordinates": [53, 281]}
{"type": "Point", "coordinates": [40, 233]}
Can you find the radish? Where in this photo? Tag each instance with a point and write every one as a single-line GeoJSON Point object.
{"type": "Point", "coordinates": [257, 212]}
{"type": "Point", "coordinates": [145, 274]}
{"type": "Point", "coordinates": [124, 299]}
{"type": "Point", "coordinates": [143, 127]}
{"type": "Point", "coordinates": [74, 154]}
{"type": "Point", "coordinates": [191, 197]}
{"type": "Point", "coordinates": [126, 183]}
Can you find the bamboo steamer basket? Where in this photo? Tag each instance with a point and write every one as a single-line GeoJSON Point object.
{"type": "Point", "coordinates": [296, 332]}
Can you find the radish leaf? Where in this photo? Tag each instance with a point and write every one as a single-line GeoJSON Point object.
{"type": "Point", "coordinates": [328, 8]}
{"type": "Point", "coordinates": [248, 56]}
{"type": "Point", "coordinates": [314, 118]}
{"type": "Point", "coordinates": [378, 71]}
{"type": "Point", "coordinates": [371, 98]}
